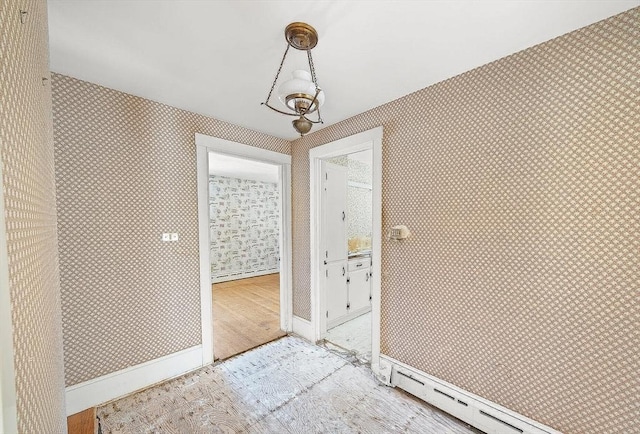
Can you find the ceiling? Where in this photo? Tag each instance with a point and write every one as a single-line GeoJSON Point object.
{"type": "Point", "coordinates": [234, 167]}
{"type": "Point", "coordinates": [219, 58]}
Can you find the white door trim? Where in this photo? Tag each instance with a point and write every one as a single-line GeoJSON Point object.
{"type": "Point", "coordinates": [204, 145]}
{"type": "Point", "coordinates": [371, 139]}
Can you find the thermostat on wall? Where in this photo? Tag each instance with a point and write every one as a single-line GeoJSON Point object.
{"type": "Point", "coordinates": [399, 232]}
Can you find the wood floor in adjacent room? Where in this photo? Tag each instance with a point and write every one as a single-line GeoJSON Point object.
{"type": "Point", "coordinates": [246, 313]}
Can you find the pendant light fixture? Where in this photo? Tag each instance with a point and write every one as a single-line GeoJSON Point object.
{"type": "Point", "coordinates": [300, 95]}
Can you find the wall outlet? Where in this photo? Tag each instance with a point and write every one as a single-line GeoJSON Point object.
{"type": "Point", "coordinates": [174, 237]}
{"type": "Point", "coordinates": [399, 232]}
{"type": "Point", "coordinates": [166, 237]}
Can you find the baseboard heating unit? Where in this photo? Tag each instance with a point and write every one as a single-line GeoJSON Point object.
{"type": "Point", "coordinates": [472, 409]}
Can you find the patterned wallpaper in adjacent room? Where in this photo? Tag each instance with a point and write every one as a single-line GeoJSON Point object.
{"type": "Point", "coordinates": [520, 183]}
{"type": "Point", "coordinates": [126, 173]}
{"type": "Point", "coordinates": [29, 208]}
{"type": "Point", "coordinates": [245, 219]}
{"type": "Point", "coordinates": [359, 203]}
{"type": "Point", "coordinates": [359, 216]}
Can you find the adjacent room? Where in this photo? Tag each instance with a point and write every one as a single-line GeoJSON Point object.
{"type": "Point", "coordinates": [245, 219]}
{"type": "Point", "coordinates": [319, 216]}
{"type": "Point", "coordinates": [347, 229]}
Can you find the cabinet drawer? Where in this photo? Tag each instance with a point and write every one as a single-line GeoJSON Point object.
{"type": "Point", "coordinates": [359, 264]}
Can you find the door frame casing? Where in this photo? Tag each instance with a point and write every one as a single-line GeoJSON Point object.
{"type": "Point", "coordinates": [371, 139]}
{"type": "Point", "coordinates": [204, 145]}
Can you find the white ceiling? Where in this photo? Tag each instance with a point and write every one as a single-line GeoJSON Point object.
{"type": "Point", "coordinates": [219, 58]}
{"type": "Point", "coordinates": [234, 167]}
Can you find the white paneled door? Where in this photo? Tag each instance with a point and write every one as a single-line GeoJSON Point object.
{"type": "Point", "coordinates": [334, 212]}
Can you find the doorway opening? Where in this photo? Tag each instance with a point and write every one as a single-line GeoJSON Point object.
{"type": "Point", "coordinates": [244, 201]}
{"type": "Point", "coordinates": [347, 227]}
{"type": "Point", "coordinates": [346, 180]}
{"type": "Point", "coordinates": [258, 302]}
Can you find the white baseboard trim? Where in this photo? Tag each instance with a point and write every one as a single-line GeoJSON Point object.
{"type": "Point", "coordinates": [303, 328]}
{"type": "Point", "coordinates": [242, 275]}
{"type": "Point", "coordinates": [478, 412]}
{"type": "Point", "coordinates": [99, 390]}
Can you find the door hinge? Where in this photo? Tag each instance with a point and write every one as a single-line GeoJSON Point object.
{"type": "Point", "coordinates": [370, 298]}
{"type": "Point", "coordinates": [326, 253]}
{"type": "Point", "coordinates": [348, 305]}
{"type": "Point", "coordinates": [326, 272]}
{"type": "Point", "coordinates": [326, 175]}
{"type": "Point", "coordinates": [327, 314]}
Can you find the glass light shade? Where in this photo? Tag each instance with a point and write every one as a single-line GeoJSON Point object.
{"type": "Point", "coordinates": [299, 92]}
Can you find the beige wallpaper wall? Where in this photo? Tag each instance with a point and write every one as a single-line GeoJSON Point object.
{"type": "Point", "coordinates": [126, 173]}
{"type": "Point", "coordinates": [26, 153]}
{"type": "Point", "coordinates": [520, 182]}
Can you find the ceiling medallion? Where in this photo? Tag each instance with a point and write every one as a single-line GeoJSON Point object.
{"type": "Point", "coordinates": [301, 94]}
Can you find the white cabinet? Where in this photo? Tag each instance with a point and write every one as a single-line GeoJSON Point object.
{"type": "Point", "coordinates": [347, 283]}
{"type": "Point", "coordinates": [359, 291]}
{"type": "Point", "coordinates": [348, 290]}
{"type": "Point", "coordinates": [336, 290]}
{"type": "Point", "coordinates": [334, 215]}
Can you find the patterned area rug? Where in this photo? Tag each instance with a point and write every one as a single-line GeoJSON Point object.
{"type": "Point", "coordinates": [286, 386]}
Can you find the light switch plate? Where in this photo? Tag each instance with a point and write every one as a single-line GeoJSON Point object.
{"type": "Point", "coordinates": [166, 237]}
{"type": "Point", "coordinates": [174, 237]}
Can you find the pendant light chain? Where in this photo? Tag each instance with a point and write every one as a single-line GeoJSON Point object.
{"type": "Point", "coordinates": [278, 73]}
{"type": "Point", "coordinates": [315, 81]}
{"type": "Point", "coordinates": [312, 68]}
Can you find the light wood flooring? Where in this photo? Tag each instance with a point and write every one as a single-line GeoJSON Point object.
{"type": "Point", "coordinates": [83, 422]}
{"type": "Point", "coordinates": [246, 313]}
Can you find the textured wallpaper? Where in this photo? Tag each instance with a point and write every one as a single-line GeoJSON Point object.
{"type": "Point", "coordinates": [359, 204]}
{"type": "Point", "coordinates": [359, 200]}
{"type": "Point", "coordinates": [520, 183]}
{"type": "Point", "coordinates": [359, 215]}
{"type": "Point", "coordinates": [125, 173]}
{"type": "Point", "coordinates": [26, 154]}
{"type": "Point", "coordinates": [245, 219]}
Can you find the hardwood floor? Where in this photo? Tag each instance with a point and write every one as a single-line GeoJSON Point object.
{"type": "Point", "coordinates": [83, 422]}
{"type": "Point", "coordinates": [246, 313]}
